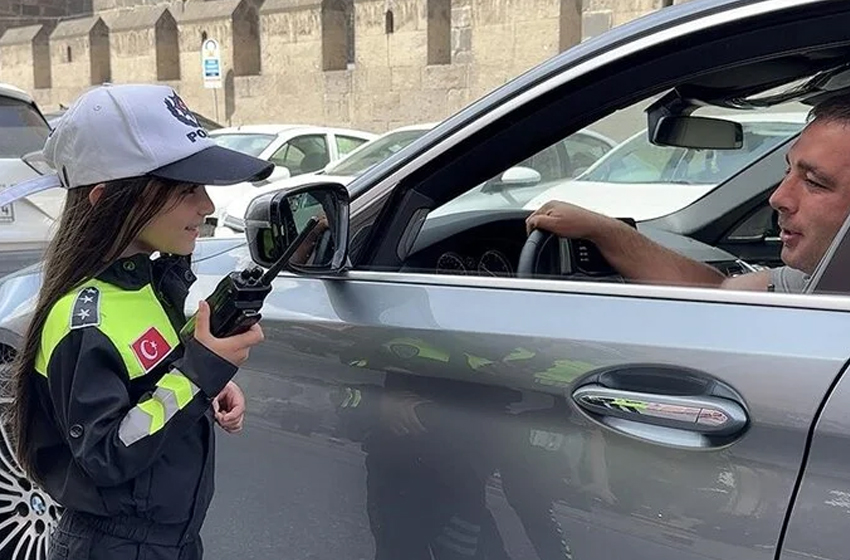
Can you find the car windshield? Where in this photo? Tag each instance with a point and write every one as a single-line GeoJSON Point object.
{"type": "Point", "coordinates": [247, 143]}
{"type": "Point", "coordinates": [22, 129]}
{"type": "Point", "coordinates": [637, 161]}
{"type": "Point", "coordinates": [373, 152]}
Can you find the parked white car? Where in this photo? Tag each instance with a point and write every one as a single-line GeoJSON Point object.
{"type": "Point", "coordinates": [342, 171]}
{"type": "Point", "coordinates": [644, 181]}
{"type": "Point", "coordinates": [25, 225]}
{"type": "Point", "coordinates": [562, 160]}
{"type": "Point", "coordinates": [294, 149]}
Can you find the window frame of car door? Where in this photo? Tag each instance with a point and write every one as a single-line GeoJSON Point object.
{"type": "Point", "coordinates": [567, 83]}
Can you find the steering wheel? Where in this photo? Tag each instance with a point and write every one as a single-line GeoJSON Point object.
{"type": "Point", "coordinates": [540, 252]}
{"type": "Point", "coordinates": [542, 256]}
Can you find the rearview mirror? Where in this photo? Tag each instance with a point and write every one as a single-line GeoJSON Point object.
{"type": "Point", "coordinates": [699, 133]}
{"type": "Point", "coordinates": [315, 217]}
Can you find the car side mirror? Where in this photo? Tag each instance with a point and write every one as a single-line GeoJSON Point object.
{"type": "Point", "coordinates": [520, 176]}
{"type": "Point", "coordinates": [514, 177]}
{"type": "Point", "coordinates": [698, 133]}
{"type": "Point", "coordinates": [309, 222]}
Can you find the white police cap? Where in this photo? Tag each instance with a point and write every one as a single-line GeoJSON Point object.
{"type": "Point", "coordinates": [121, 131]}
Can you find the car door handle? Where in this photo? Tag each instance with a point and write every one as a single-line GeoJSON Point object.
{"type": "Point", "coordinates": [706, 415]}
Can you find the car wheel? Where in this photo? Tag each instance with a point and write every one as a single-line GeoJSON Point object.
{"type": "Point", "coordinates": [27, 514]}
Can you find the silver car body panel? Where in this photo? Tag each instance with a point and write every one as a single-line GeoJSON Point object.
{"type": "Point", "coordinates": [724, 502]}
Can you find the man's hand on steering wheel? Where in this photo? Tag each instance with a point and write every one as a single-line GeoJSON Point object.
{"type": "Point", "coordinates": [565, 220]}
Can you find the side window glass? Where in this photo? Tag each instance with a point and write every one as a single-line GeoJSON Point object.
{"type": "Point", "coordinates": [583, 151]}
{"type": "Point", "coordinates": [308, 154]}
{"type": "Point", "coordinates": [303, 154]}
{"type": "Point", "coordinates": [279, 157]}
{"type": "Point", "coordinates": [345, 144]}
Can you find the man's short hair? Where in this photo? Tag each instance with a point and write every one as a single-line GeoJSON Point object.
{"type": "Point", "coordinates": [835, 108]}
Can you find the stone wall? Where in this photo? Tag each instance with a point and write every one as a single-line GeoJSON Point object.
{"type": "Point", "coordinates": [292, 61]}
{"type": "Point", "coordinates": [19, 13]}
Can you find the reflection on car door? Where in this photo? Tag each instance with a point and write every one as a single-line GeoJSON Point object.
{"type": "Point", "coordinates": [435, 416]}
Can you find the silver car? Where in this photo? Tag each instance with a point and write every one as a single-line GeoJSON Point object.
{"type": "Point", "coordinates": [446, 387]}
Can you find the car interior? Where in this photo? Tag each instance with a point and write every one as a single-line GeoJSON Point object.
{"type": "Point", "coordinates": [732, 227]}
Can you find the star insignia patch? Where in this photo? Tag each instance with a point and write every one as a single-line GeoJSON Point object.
{"type": "Point", "coordinates": [86, 312]}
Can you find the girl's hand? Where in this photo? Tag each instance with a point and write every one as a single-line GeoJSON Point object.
{"type": "Point", "coordinates": [234, 348]}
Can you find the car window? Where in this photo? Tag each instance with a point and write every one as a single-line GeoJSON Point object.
{"type": "Point", "coordinates": [636, 178]}
{"type": "Point", "coordinates": [22, 128]}
{"type": "Point", "coordinates": [303, 154]}
{"type": "Point", "coordinates": [346, 144]}
{"type": "Point", "coordinates": [373, 152]}
{"type": "Point", "coordinates": [251, 144]}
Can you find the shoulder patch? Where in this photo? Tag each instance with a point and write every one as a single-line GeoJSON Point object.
{"type": "Point", "coordinates": [86, 310]}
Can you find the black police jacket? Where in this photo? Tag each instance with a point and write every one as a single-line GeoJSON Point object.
{"type": "Point", "coordinates": [123, 422]}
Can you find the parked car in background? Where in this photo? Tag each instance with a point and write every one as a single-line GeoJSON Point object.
{"type": "Point", "coordinates": [342, 171]}
{"type": "Point", "coordinates": [560, 161]}
{"type": "Point", "coordinates": [294, 149]}
{"type": "Point", "coordinates": [25, 224]}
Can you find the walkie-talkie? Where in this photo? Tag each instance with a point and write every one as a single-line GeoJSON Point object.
{"type": "Point", "coordinates": [236, 302]}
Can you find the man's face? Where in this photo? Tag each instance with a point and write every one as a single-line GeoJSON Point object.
{"type": "Point", "coordinates": [814, 198]}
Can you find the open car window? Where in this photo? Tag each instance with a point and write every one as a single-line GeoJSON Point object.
{"type": "Point", "coordinates": [636, 179]}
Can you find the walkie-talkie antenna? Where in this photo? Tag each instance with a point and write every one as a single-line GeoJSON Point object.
{"type": "Point", "coordinates": [275, 269]}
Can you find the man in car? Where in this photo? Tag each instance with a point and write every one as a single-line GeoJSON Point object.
{"type": "Point", "coordinates": [812, 202]}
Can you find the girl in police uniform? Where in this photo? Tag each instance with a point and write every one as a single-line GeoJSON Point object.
{"type": "Point", "coordinates": [113, 415]}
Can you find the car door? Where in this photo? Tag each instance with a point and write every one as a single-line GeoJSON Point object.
{"type": "Point", "coordinates": [400, 415]}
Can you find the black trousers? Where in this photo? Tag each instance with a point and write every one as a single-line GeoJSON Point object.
{"type": "Point", "coordinates": [86, 537]}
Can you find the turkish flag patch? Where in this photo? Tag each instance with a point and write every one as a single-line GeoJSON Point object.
{"type": "Point", "coordinates": [150, 348]}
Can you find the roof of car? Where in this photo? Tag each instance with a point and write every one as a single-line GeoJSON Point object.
{"type": "Point", "coordinates": [421, 126]}
{"type": "Point", "coordinates": [282, 128]}
{"type": "Point", "coordinates": [8, 90]}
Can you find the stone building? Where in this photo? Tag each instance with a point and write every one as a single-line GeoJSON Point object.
{"type": "Point", "coordinates": [369, 64]}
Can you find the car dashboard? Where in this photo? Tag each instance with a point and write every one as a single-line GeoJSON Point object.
{"type": "Point", "coordinates": [489, 244]}
{"type": "Point", "coordinates": [489, 249]}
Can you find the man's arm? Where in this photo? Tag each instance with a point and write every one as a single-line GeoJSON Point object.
{"type": "Point", "coordinates": [632, 254]}
{"type": "Point", "coordinates": [754, 281]}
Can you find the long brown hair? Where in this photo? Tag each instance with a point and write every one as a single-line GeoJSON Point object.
{"type": "Point", "coordinates": [89, 238]}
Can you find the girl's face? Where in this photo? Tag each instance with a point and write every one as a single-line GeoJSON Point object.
{"type": "Point", "coordinates": [177, 226]}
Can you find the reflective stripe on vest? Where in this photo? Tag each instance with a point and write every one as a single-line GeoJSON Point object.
{"type": "Point", "coordinates": [173, 392]}
{"type": "Point", "coordinates": [123, 316]}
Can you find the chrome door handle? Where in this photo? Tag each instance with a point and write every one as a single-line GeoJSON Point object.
{"type": "Point", "coordinates": [700, 414]}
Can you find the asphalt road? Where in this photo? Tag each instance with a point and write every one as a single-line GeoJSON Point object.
{"type": "Point", "coordinates": [303, 498]}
